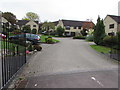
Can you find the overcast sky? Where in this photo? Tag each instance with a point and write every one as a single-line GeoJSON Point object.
{"type": "Point", "coordinates": [53, 10]}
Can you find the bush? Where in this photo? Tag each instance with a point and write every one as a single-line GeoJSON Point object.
{"type": "Point", "coordinates": [79, 37]}
{"type": "Point", "coordinates": [110, 40]}
{"type": "Point", "coordinates": [34, 31]}
{"type": "Point", "coordinates": [37, 47]}
{"type": "Point", "coordinates": [16, 32]}
{"type": "Point", "coordinates": [49, 40]}
{"type": "Point", "coordinates": [26, 29]}
{"type": "Point", "coordinates": [90, 38]}
{"type": "Point", "coordinates": [30, 47]}
{"type": "Point", "coordinates": [83, 32]}
{"type": "Point", "coordinates": [60, 31]}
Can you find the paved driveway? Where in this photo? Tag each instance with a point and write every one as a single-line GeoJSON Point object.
{"type": "Point", "coordinates": [71, 63]}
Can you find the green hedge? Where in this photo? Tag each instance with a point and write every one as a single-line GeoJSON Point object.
{"type": "Point", "coordinates": [90, 38]}
{"type": "Point", "coordinates": [110, 40]}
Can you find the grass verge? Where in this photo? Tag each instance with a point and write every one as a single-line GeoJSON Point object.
{"type": "Point", "coordinates": [11, 46]}
{"type": "Point", "coordinates": [101, 49]}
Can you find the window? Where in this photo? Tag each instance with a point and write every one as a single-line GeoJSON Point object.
{"type": "Point", "coordinates": [67, 27]}
{"type": "Point", "coordinates": [34, 25]}
{"type": "Point", "coordinates": [79, 27]}
{"type": "Point", "coordinates": [111, 26]}
{"type": "Point", "coordinates": [75, 27]}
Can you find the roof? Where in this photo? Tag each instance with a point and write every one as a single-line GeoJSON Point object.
{"type": "Point", "coordinates": [55, 23]}
{"type": "Point", "coordinates": [23, 22]}
{"type": "Point", "coordinates": [72, 23]}
{"type": "Point", "coordinates": [116, 18]}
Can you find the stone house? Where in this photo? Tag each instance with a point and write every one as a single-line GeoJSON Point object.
{"type": "Point", "coordinates": [72, 27]}
{"type": "Point", "coordinates": [34, 25]}
{"type": "Point", "coordinates": [112, 24]}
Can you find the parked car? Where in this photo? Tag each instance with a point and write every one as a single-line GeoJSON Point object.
{"type": "Point", "coordinates": [2, 36]}
{"type": "Point", "coordinates": [28, 37]}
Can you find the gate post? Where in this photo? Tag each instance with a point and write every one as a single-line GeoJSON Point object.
{"type": "Point", "coordinates": [0, 51]}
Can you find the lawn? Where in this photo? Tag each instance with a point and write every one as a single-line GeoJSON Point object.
{"type": "Point", "coordinates": [45, 36]}
{"type": "Point", "coordinates": [101, 49]}
{"type": "Point", "coordinates": [11, 46]}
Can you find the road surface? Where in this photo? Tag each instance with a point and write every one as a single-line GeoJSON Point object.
{"type": "Point", "coordinates": [71, 64]}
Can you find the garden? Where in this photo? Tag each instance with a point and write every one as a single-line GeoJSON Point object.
{"type": "Point", "coordinates": [106, 44]}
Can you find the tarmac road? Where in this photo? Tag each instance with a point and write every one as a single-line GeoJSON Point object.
{"type": "Point", "coordinates": [71, 64]}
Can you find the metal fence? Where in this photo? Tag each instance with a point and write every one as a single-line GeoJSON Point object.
{"type": "Point", "coordinates": [12, 57]}
{"type": "Point", "coordinates": [115, 50]}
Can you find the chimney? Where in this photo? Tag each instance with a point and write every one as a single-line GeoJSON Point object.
{"type": "Point", "coordinates": [119, 8]}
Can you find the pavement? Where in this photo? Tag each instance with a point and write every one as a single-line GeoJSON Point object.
{"type": "Point", "coordinates": [70, 64]}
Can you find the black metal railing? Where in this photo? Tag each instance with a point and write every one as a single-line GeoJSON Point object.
{"type": "Point", "coordinates": [115, 49]}
{"type": "Point", "coordinates": [13, 55]}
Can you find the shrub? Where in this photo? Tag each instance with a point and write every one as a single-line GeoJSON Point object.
{"type": "Point", "coordinates": [16, 32]}
{"type": "Point", "coordinates": [79, 37]}
{"type": "Point", "coordinates": [118, 37]}
{"type": "Point", "coordinates": [90, 38]}
{"type": "Point", "coordinates": [34, 31]}
{"type": "Point", "coordinates": [30, 47]}
{"type": "Point", "coordinates": [60, 31]}
{"type": "Point", "coordinates": [38, 47]}
{"type": "Point", "coordinates": [83, 32]}
{"type": "Point", "coordinates": [26, 29]}
{"type": "Point", "coordinates": [49, 40]}
{"type": "Point", "coordinates": [110, 40]}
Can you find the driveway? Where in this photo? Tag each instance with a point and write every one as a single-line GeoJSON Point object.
{"type": "Point", "coordinates": [71, 64]}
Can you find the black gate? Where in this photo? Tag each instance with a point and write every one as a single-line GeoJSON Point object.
{"type": "Point", "coordinates": [13, 55]}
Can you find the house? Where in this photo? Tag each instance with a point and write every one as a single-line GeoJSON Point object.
{"type": "Point", "coordinates": [112, 24]}
{"type": "Point", "coordinates": [72, 27]}
{"type": "Point", "coordinates": [5, 22]}
{"type": "Point", "coordinates": [34, 25]}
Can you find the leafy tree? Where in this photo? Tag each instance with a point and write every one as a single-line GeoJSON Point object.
{"type": "Point", "coordinates": [47, 26]}
{"type": "Point", "coordinates": [60, 31]}
{"type": "Point", "coordinates": [83, 32]}
{"type": "Point", "coordinates": [31, 16]}
{"type": "Point", "coordinates": [25, 18]}
{"type": "Point", "coordinates": [10, 17]}
{"type": "Point", "coordinates": [99, 32]}
{"type": "Point", "coordinates": [26, 29]}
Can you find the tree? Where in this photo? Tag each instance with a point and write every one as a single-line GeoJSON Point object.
{"type": "Point", "coordinates": [60, 31]}
{"type": "Point", "coordinates": [26, 29]}
{"type": "Point", "coordinates": [31, 16]}
{"type": "Point", "coordinates": [99, 32]}
{"type": "Point", "coordinates": [34, 31]}
{"type": "Point", "coordinates": [83, 32]}
{"type": "Point", "coordinates": [47, 26]}
{"type": "Point", "coordinates": [10, 17]}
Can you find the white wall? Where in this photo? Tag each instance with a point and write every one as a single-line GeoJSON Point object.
{"type": "Point", "coordinates": [108, 20]}
{"type": "Point", "coordinates": [31, 23]}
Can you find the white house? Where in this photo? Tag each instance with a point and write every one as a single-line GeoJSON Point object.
{"type": "Point", "coordinates": [33, 24]}
{"type": "Point", "coordinates": [112, 24]}
{"type": "Point", "coordinates": [72, 27]}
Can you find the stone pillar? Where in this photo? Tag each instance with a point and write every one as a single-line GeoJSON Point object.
{"type": "Point", "coordinates": [0, 52]}
{"type": "Point", "coordinates": [119, 8]}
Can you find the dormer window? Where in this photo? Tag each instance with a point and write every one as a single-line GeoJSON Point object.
{"type": "Point", "coordinates": [67, 27]}
{"type": "Point", "coordinates": [79, 27]}
{"type": "Point", "coordinates": [75, 27]}
{"type": "Point", "coordinates": [111, 26]}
